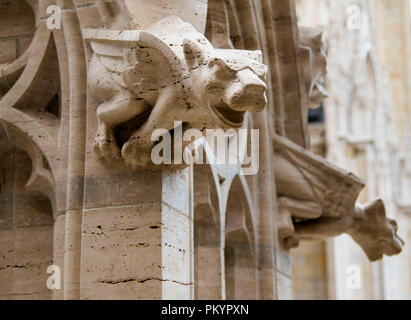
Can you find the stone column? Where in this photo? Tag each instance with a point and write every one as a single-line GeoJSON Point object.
{"type": "Point", "coordinates": [137, 237]}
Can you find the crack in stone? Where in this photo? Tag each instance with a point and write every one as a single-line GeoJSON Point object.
{"type": "Point", "coordinates": [25, 294]}
{"type": "Point", "coordinates": [141, 281]}
{"type": "Point", "coordinates": [16, 266]}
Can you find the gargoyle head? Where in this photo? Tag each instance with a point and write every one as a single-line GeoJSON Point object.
{"type": "Point", "coordinates": [230, 82]}
{"type": "Point", "coordinates": [314, 58]}
{"type": "Point", "coordinates": [374, 232]}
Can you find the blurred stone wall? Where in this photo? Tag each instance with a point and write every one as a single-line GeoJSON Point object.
{"type": "Point", "coordinates": [366, 131]}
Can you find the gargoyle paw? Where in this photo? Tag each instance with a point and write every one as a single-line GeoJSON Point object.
{"type": "Point", "coordinates": [106, 149]}
{"type": "Point", "coordinates": [135, 155]}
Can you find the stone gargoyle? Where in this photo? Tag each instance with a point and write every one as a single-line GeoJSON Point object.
{"type": "Point", "coordinates": [316, 201]}
{"type": "Point", "coordinates": [313, 57]}
{"type": "Point", "coordinates": [165, 73]}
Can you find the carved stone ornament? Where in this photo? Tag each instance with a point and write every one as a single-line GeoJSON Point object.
{"type": "Point", "coordinates": [318, 200]}
{"type": "Point", "coordinates": [28, 85]}
{"type": "Point", "coordinates": [164, 73]}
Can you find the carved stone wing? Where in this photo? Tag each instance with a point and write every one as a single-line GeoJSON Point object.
{"type": "Point", "coordinates": [137, 60]}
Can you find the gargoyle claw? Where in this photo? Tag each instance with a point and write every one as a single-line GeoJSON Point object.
{"type": "Point", "coordinates": [135, 155]}
{"type": "Point", "coordinates": [106, 149]}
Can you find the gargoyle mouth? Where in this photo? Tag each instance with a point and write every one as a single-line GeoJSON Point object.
{"type": "Point", "coordinates": [228, 115]}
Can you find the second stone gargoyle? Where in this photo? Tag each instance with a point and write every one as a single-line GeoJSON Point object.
{"type": "Point", "coordinates": [168, 72]}
{"type": "Point", "coordinates": [316, 201]}
{"type": "Point", "coordinates": [313, 56]}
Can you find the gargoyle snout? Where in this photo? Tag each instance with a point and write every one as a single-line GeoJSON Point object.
{"type": "Point", "coordinates": [248, 94]}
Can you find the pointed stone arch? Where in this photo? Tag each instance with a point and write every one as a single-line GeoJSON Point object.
{"type": "Point", "coordinates": [207, 236]}
{"type": "Point", "coordinates": [239, 249]}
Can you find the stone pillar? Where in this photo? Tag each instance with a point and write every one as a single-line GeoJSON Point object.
{"type": "Point", "coordinates": [137, 237]}
{"type": "Point", "coordinates": [137, 229]}
{"type": "Point", "coordinates": [177, 240]}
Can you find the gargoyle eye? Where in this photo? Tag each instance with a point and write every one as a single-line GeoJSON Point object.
{"type": "Point", "coordinates": [222, 70]}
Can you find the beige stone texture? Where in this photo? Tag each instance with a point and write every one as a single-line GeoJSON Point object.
{"type": "Point", "coordinates": [284, 287]}
{"type": "Point", "coordinates": [149, 254]}
{"type": "Point", "coordinates": [12, 27]}
{"type": "Point", "coordinates": [58, 253]}
{"type": "Point", "coordinates": [7, 50]}
{"type": "Point", "coordinates": [121, 255]}
{"type": "Point", "coordinates": [156, 9]}
{"type": "Point", "coordinates": [26, 255]}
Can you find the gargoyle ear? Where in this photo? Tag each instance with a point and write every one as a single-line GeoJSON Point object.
{"type": "Point", "coordinates": [322, 41]}
{"type": "Point", "coordinates": [193, 53]}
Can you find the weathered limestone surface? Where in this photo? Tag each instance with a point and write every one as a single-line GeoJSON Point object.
{"type": "Point", "coordinates": [26, 254]}
{"type": "Point", "coordinates": [191, 11]}
{"type": "Point", "coordinates": [140, 251]}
